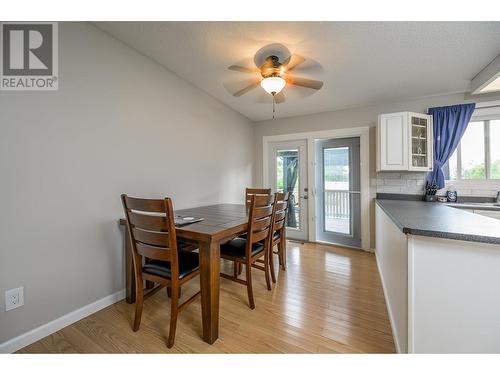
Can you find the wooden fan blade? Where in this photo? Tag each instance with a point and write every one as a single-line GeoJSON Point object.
{"type": "Point", "coordinates": [279, 97]}
{"type": "Point", "coordinates": [304, 82]}
{"type": "Point", "coordinates": [293, 61]}
{"type": "Point", "coordinates": [243, 69]}
{"type": "Point", "coordinates": [246, 89]}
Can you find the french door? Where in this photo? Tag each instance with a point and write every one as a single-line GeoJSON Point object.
{"type": "Point", "coordinates": [338, 203]}
{"type": "Point", "coordinates": [288, 172]}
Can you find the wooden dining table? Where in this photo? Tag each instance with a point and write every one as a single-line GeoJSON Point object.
{"type": "Point", "coordinates": [220, 223]}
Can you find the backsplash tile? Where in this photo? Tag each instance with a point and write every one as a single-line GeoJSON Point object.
{"type": "Point", "coordinates": [414, 183]}
{"type": "Point", "coordinates": [401, 182]}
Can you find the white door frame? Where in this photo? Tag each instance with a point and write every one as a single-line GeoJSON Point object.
{"type": "Point", "coordinates": [364, 140]}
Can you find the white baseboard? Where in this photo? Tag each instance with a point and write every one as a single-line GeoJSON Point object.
{"type": "Point", "coordinates": [49, 328]}
{"type": "Point", "coordinates": [389, 311]}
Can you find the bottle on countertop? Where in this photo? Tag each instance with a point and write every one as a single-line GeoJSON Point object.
{"type": "Point", "coordinates": [451, 194]}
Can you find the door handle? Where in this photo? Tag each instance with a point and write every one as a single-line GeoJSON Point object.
{"type": "Point", "coordinates": [305, 196]}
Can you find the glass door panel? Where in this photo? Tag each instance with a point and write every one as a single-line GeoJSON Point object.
{"type": "Point", "coordinates": [419, 139]}
{"type": "Point", "coordinates": [338, 191]}
{"type": "Point", "coordinates": [337, 210]}
{"type": "Point", "coordinates": [287, 163]}
{"type": "Point", "coordinates": [287, 179]}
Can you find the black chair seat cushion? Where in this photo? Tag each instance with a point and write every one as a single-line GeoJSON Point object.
{"type": "Point", "coordinates": [188, 262]}
{"type": "Point", "coordinates": [236, 248]}
{"type": "Point", "coordinates": [186, 246]}
{"type": "Point", "coordinates": [276, 235]}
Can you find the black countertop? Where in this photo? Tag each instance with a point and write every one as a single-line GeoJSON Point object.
{"type": "Point", "coordinates": [439, 220]}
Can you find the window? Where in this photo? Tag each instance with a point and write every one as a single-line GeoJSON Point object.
{"type": "Point", "coordinates": [477, 157]}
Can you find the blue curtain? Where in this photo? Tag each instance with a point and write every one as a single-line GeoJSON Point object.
{"type": "Point", "coordinates": [449, 126]}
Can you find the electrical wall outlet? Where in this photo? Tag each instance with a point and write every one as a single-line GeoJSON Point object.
{"type": "Point", "coordinates": [14, 298]}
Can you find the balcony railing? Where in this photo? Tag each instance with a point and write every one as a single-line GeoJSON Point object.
{"type": "Point", "coordinates": [337, 210]}
{"type": "Point", "coordinates": [337, 205]}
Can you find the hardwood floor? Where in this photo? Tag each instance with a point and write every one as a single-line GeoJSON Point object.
{"type": "Point", "coordinates": [329, 300]}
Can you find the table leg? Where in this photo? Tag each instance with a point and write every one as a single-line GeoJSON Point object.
{"type": "Point", "coordinates": [209, 284]}
{"type": "Point", "coordinates": [129, 270]}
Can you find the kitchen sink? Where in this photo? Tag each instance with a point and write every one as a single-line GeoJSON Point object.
{"type": "Point", "coordinates": [475, 204]}
{"type": "Point", "coordinates": [483, 204]}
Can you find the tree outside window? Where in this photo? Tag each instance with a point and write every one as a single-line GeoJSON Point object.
{"type": "Point", "coordinates": [477, 157]}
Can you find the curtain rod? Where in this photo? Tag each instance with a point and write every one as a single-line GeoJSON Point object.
{"type": "Point", "coordinates": [490, 104]}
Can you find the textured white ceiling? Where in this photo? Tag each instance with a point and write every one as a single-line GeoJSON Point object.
{"type": "Point", "coordinates": [361, 63]}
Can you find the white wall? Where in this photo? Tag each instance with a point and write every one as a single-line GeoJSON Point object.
{"type": "Point", "coordinates": [119, 123]}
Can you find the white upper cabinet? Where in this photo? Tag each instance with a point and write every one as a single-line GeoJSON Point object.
{"type": "Point", "coordinates": [404, 142]}
{"type": "Point", "coordinates": [392, 143]}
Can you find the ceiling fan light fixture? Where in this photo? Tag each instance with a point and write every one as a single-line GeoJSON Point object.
{"type": "Point", "coordinates": [273, 85]}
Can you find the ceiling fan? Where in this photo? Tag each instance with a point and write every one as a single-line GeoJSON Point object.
{"type": "Point", "coordinates": [273, 75]}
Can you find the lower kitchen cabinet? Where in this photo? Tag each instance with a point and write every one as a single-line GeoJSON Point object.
{"type": "Point", "coordinates": [441, 294]}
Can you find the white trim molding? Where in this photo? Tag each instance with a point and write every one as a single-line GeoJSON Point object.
{"type": "Point", "coordinates": [49, 328]}
{"type": "Point", "coordinates": [485, 77]}
{"type": "Point", "coordinates": [363, 133]}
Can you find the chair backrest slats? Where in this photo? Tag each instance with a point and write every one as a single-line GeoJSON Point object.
{"type": "Point", "coordinates": [153, 252]}
{"type": "Point", "coordinates": [148, 222]}
{"type": "Point", "coordinates": [152, 230]}
{"type": "Point", "coordinates": [146, 205]}
{"type": "Point", "coordinates": [280, 210]}
{"type": "Point", "coordinates": [262, 211]}
{"type": "Point", "coordinates": [279, 220]}
{"type": "Point", "coordinates": [259, 219]}
{"type": "Point", "coordinates": [151, 238]}
{"type": "Point", "coordinates": [260, 235]}
{"type": "Point", "coordinates": [261, 224]}
{"type": "Point", "coordinates": [249, 192]}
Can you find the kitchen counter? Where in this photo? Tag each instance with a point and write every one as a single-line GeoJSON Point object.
{"type": "Point", "coordinates": [433, 219]}
{"type": "Point", "coordinates": [437, 265]}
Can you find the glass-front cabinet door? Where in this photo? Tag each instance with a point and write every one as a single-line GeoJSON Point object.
{"type": "Point", "coordinates": [420, 142]}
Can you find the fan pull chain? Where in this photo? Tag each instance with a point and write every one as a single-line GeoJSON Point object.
{"type": "Point", "coordinates": [274, 110]}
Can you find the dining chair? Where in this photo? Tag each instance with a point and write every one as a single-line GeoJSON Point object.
{"type": "Point", "coordinates": [279, 232]}
{"type": "Point", "coordinates": [152, 235]}
{"type": "Point", "coordinates": [249, 192]}
{"type": "Point", "coordinates": [246, 251]}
